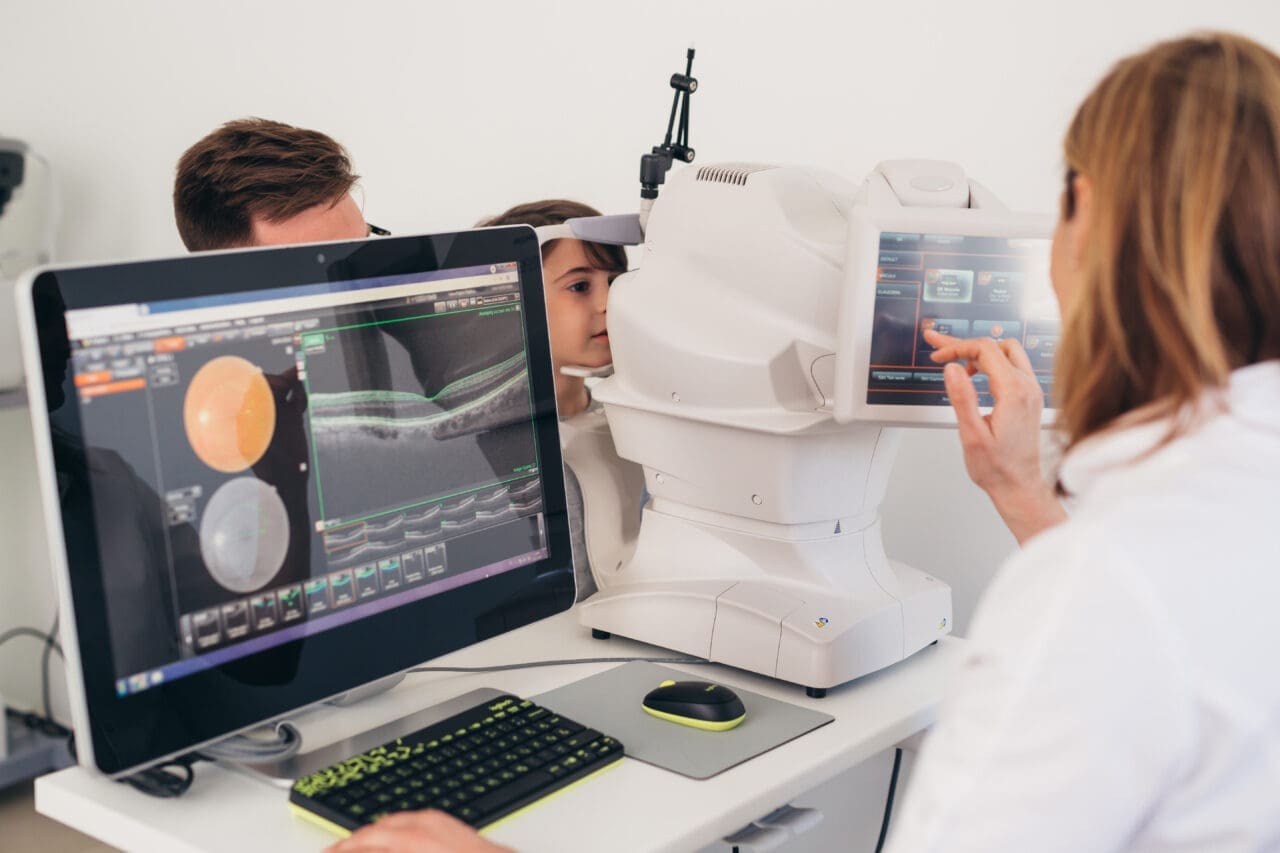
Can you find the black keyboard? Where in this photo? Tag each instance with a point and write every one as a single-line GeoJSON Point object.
{"type": "Point", "coordinates": [479, 765]}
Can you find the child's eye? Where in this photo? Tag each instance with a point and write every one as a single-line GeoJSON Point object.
{"type": "Point", "coordinates": [579, 287]}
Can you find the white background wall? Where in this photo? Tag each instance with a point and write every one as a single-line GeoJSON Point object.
{"type": "Point", "coordinates": [454, 111]}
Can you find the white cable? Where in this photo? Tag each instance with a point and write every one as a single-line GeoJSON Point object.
{"type": "Point", "coordinates": [248, 749]}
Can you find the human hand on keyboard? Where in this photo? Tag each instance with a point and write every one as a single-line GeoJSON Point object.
{"type": "Point", "coordinates": [427, 831]}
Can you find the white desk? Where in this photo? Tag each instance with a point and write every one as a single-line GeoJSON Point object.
{"type": "Point", "coordinates": [635, 806]}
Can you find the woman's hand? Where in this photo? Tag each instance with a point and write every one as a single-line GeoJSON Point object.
{"type": "Point", "coordinates": [1002, 449]}
{"type": "Point", "coordinates": [417, 832]}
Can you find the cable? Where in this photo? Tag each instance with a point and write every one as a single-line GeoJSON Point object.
{"type": "Point", "coordinates": [156, 781]}
{"type": "Point", "coordinates": [44, 665]}
{"type": "Point", "coordinates": [174, 777]}
{"type": "Point", "coordinates": [168, 780]}
{"type": "Point", "coordinates": [888, 802]}
{"type": "Point", "coordinates": [35, 722]}
{"type": "Point", "coordinates": [287, 740]}
{"type": "Point", "coordinates": [537, 663]}
{"type": "Point", "coordinates": [285, 743]}
{"type": "Point", "coordinates": [50, 645]}
{"type": "Point", "coordinates": [24, 631]}
{"type": "Point", "coordinates": [171, 779]}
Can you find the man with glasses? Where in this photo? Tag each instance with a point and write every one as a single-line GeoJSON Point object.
{"type": "Point", "coordinates": [254, 182]}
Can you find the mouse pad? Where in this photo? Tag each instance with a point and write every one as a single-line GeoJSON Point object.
{"type": "Point", "coordinates": [610, 702]}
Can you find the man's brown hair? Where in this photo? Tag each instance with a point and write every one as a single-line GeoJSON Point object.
{"type": "Point", "coordinates": [556, 211]}
{"type": "Point", "coordinates": [250, 168]}
{"type": "Point", "coordinates": [1181, 275]}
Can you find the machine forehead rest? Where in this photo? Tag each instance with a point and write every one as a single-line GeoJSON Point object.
{"type": "Point", "coordinates": [926, 183]}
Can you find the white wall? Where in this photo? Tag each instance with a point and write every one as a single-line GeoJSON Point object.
{"type": "Point", "coordinates": [455, 111]}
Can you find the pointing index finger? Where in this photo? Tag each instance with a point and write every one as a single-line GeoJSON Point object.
{"type": "Point", "coordinates": [984, 355]}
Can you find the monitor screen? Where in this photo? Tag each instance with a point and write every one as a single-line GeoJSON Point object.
{"type": "Point", "coordinates": [353, 468]}
{"type": "Point", "coordinates": [961, 285]}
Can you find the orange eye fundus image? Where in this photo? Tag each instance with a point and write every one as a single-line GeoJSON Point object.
{"type": "Point", "coordinates": [229, 414]}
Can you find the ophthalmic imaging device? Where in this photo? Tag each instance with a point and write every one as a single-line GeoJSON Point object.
{"type": "Point", "coordinates": [767, 350]}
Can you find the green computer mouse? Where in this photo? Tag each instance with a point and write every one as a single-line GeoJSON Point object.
{"type": "Point", "coordinates": [699, 704]}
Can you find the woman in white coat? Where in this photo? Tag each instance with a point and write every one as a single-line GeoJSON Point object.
{"type": "Point", "coordinates": [1120, 689]}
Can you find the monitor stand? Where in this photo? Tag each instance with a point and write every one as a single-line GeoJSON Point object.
{"type": "Point", "coordinates": [283, 773]}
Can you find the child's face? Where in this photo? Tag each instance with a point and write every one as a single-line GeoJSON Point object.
{"type": "Point", "coordinates": [577, 294]}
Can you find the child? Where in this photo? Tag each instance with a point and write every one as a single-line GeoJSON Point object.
{"type": "Point", "coordinates": [576, 277]}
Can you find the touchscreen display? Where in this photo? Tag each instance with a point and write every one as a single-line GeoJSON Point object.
{"type": "Point", "coordinates": [964, 286]}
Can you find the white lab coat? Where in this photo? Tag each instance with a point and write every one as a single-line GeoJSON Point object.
{"type": "Point", "coordinates": [1120, 688]}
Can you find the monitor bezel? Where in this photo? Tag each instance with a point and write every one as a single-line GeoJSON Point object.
{"type": "Point", "coordinates": [857, 308]}
{"type": "Point", "coordinates": [118, 735]}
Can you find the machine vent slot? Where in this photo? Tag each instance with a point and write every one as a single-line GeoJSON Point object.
{"type": "Point", "coordinates": [735, 174]}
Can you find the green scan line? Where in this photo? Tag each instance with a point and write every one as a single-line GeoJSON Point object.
{"type": "Point", "coordinates": [443, 497]}
{"type": "Point", "coordinates": [533, 417]}
{"type": "Point", "coordinates": [315, 457]}
{"type": "Point", "coordinates": [346, 399]}
{"type": "Point", "coordinates": [401, 319]}
{"type": "Point", "coordinates": [323, 401]}
{"type": "Point", "coordinates": [524, 354]}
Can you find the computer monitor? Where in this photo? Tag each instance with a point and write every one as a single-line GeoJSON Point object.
{"type": "Point", "coordinates": [271, 476]}
{"type": "Point", "coordinates": [967, 273]}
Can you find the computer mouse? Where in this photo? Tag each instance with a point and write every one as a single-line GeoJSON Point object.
{"type": "Point", "coordinates": [699, 704]}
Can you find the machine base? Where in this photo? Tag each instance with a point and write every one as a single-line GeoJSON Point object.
{"type": "Point", "coordinates": [808, 636]}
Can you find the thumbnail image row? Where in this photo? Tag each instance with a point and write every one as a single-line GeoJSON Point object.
{"type": "Point", "coordinates": [267, 611]}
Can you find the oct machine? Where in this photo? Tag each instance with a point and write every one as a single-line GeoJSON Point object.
{"type": "Point", "coordinates": [765, 350]}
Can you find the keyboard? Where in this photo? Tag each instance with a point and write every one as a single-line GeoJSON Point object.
{"type": "Point", "coordinates": [479, 765]}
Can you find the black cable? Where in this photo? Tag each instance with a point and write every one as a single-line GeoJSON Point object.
{"type": "Point", "coordinates": [888, 802]}
{"type": "Point", "coordinates": [168, 780]}
{"type": "Point", "coordinates": [35, 722]}
{"type": "Point", "coordinates": [24, 631]}
{"type": "Point", "coordinates": [157, 781]}
{"type": "Point", "coordinates": [51, 645]}
{"type": "Point", "coordinates": [171, 779]}
{"type": "Point", "coordinates": [537, 663]}
{"type": "Point", "coordinates": [44, 665]}
{"type": "Point", "coordinates": [174, 777]}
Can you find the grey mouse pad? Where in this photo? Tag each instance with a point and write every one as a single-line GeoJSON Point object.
{"type": "Point", "coordinates": [610, 702]}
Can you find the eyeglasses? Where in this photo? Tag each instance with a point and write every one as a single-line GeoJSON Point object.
{"type": "Point", "coordinates": [375, 231]}
{"type": "Point", "coordinates": [1069, 195]}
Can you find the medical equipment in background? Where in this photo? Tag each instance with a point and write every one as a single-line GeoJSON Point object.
{"type": "Point", "coordinates": [742, 398]}
{"type": "Point", "coordinates": [27, 219]}
{"type": "Point", "coordinates": [28, 216]}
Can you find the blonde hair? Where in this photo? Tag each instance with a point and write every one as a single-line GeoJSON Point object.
{"type": "Point", "coordinates": [1181, 274]}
